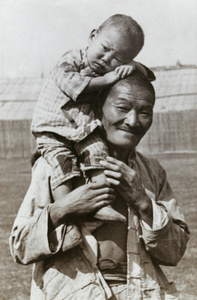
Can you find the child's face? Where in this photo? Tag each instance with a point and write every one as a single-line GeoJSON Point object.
{"type": "Point", "coordinates": [107, 50]}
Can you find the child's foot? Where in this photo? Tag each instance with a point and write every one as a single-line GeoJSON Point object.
{"type": "Point", "coordinates": [107, 213]}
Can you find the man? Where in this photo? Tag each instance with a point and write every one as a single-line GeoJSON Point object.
{"type": "Point", "coordinates": [109, 260]}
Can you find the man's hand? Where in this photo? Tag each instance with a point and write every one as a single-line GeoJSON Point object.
{"type": "Point", "coordinates": [82, 201]}
{"type": "Point", "coordinates": [129, 185]}
{"type": "Point", "coordinates": [89, 198]}
{"type": "Point", "coordinates": [126, 179]}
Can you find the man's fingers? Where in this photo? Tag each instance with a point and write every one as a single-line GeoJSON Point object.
{"type": "Point", "coordinates": [115, 175]}
{"type": "Point", "coordinates": [98, 185]}
{"type": "Point", "coordinates": [113, 181]}
{"type": "Point", "coordinates": [120, 166]}
{"type": "Point", "coordinates": [105, 192]}
{"type": "Point", "coordinates": [114, 160]}
{"type": "Point", "coordinates": [110, 165]}
{"type": "Point", "coordinates": [106, 197]}
{"type": "Point", "coordinates": [101, 204]}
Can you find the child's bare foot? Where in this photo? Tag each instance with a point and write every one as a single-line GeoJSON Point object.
{"type": "Point", "coordinates": [106, 213]}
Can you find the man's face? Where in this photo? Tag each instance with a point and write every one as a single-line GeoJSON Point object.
{"type": "Point", "coordinates": [127, 114]}
{"type": "Point", "coordinates": [107, 50]}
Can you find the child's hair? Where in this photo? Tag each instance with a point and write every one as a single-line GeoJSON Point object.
{"type": "Point", "coordinates": [129, 28]}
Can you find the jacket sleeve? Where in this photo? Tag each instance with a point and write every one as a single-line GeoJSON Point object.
{"type": "Point", "coordinates": [30, 240]}
{"type": "Point", "coordinates": [167, 244]}
{"type": "Point", "coordinates": [67, 74]}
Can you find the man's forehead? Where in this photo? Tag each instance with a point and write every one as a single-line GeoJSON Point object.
{"type": "Point", "coordinates": [130, 91]}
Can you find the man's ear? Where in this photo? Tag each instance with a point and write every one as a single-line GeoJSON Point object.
{"type": "Point", "coordinates": [92, 35]}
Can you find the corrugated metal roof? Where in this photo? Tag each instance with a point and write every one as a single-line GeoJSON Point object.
{"type": "Point", "coordinates": [176, 82]}
{"type": "Point", "coordinates": [176, 89]}
{"type": "Point", "coordinates": [16, 110]}
{"type": "Point", "coordinates": [20, 89]}
{"type": "Point", "coordinates": [18, 97]}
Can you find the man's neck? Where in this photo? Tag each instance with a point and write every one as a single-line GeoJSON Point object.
{"type": "Point", "coordinates": [119, 153]}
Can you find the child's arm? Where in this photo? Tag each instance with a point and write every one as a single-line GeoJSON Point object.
{"type": "Point", "coordinates": [67, 77]}
{"type": "Point", "coordinates": [73, 81]}
{"type": "Point", "coordinates": [120, 72]}
{"type": "Point", "coordinates": [100, 82]}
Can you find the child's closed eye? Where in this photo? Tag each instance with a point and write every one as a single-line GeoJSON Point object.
{"type": "Point", "coordinates": [106, 49]}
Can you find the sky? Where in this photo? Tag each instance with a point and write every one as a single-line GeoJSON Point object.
{"type": "Point", "coordinates": [35, 33]}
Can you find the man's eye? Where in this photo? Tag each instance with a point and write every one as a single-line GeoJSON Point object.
{"type": "Point", "coordinates": [122, 108]}
{"type": "Point", "coordinates": [146, 113]}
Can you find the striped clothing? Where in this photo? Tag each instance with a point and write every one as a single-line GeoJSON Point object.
{"type": "Point", "coordinates": [64, 122]}
{"type": "Point", "coordinates": [63, 118]}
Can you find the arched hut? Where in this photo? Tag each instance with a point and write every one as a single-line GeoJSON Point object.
{"type": "Point", "coordinates": [174, 128]}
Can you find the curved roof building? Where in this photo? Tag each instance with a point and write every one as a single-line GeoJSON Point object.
{"type": "Point", "coordinates": [175, 119]}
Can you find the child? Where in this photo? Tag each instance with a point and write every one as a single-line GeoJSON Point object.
{"type": "Point", "coordinates": [64, 123]}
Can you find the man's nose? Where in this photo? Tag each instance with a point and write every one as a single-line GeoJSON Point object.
{"type": "Point", "coordinates": [132, 118]}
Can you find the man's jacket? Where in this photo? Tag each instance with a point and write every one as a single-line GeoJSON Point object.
{"type": "Point", "coordinates": [70, 272]}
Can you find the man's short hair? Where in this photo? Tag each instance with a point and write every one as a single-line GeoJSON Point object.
{"type": "Point", "coordinates": [136, 78]}
{"type": "Point", "coordinates": [129, 28]}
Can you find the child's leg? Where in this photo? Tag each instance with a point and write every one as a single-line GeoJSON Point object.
{"type": "Point", "coordinates": [61, 156]}
{"type": "Point", "coordinates": [63, 189]}
{"type": "Point", "coordinates": [106, 213]}
{"type": "Point", "coordinates": [92, 150]}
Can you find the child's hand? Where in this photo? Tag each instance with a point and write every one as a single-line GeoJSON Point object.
{"type": "Point", "coordinates": [87, 72]}
{"type": "Point", "coordinates": [125, 70]}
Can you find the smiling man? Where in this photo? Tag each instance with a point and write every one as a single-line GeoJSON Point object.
{"type": "Point", "coordinates": [106, 260]}
{"type": "Point", "coordinates": [128, 112]}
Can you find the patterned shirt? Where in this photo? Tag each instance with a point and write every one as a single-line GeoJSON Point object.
{"type": "Point", "coordinates": [63, 114]}
{"type": "Point", "coordinates": [61, 109]}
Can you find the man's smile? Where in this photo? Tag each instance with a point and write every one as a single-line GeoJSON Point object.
{"type": "Point", "coordinates": [135, 131]}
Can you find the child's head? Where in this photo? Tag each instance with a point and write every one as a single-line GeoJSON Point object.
{"type": "Point", "coordinates": [116, 42]}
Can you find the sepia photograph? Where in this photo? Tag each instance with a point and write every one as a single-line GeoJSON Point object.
{"type": "Point", "coordinates": [98, 149]}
